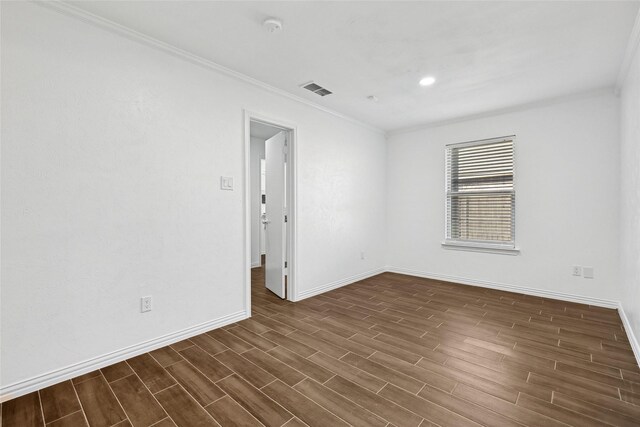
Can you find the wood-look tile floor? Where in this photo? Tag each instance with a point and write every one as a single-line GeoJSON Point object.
{"type": "Point", "coordinates": [389, 350]}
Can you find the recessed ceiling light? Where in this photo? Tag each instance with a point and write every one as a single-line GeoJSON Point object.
{"type": "Point", "coordinates": [372, 98]}
{"type": "Point", "coordinates": [427, 81]}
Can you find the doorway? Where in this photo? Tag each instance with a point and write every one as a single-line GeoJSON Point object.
{"type": "Point", "coordinates": [270, 207]}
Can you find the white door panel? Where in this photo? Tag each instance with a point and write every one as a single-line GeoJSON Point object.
{"type": "Point", "coordinates": [275, 234]}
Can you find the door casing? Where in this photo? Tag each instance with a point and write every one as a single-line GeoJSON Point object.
{"type": "Point", "coordinates": [291, 182]}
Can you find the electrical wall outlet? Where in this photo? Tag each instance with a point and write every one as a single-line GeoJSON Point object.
{"type": "Point", "coordinates": [577, 270]}
{"type": "Point", "coordinates": [146, 304]}
{"type": "Point", "coordinates": [588, 272]}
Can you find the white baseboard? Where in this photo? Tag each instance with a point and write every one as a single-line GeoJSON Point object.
{"type": "Point", "coordinates": [509, 288]}
{"type": "Point", "coordinates": [337, 284]}
{"type": "Point", "coordinates": [635, 346]}
{"type": "Point", "coordinates": [23, 387]}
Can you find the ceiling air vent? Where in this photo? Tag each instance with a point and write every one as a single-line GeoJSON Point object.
{"type": "Point", "coordinates": [316, 88]}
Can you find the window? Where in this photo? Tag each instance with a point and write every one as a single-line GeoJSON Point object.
{"type": "Point", "coordinates": [480, 199]}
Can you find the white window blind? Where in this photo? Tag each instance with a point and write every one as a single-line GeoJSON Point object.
{"type": "Point", "coordinates": [480, 199]}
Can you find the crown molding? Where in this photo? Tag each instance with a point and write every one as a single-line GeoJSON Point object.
{"type": "Point", "coordinates": [630, 52]}
{"type": "Point", "coordinates": [88, 17]}
{"type": "Point", "coordinates": [607, 90]}
{"type": "Point", "coordinates": [106, 24]}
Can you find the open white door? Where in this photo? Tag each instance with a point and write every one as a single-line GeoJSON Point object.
{"type": "Point", "coordinates": [274, 218]}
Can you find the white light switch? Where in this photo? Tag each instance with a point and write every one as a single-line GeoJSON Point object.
{"type": "Point", "coordinates": [226, 183]}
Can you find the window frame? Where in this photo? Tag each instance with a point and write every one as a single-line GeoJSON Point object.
{"type": "Point", "coordinates": [508, 248]}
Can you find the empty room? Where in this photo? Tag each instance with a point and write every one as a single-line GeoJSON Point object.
{"type": "Point", "coordinates": [319, 213]}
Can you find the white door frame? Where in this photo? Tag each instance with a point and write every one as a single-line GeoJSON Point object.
{"type": "Point", "coordinates": [261, 239]}
{"type": "Point", "coordinates": [292, 197]}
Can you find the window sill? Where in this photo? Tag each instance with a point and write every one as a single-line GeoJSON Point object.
{"type": "Point", "coordinates": [479, 247]}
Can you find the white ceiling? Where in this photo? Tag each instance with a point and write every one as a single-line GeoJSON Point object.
{"type": "Point", "coordinates": [485, 55]}
{"type": "Point", "coordinates": [262, 131]}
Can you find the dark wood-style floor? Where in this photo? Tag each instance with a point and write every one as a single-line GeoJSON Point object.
{"type": "Point", "coordinates": [389, 350]}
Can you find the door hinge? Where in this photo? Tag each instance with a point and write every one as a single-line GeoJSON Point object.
{"type": "Point", "coordinates": [285, 218]}
{"type": "Point", "coordinates": [285, 264]}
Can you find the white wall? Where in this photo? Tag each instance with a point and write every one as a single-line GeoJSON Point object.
{"type": "Point", "coordinates": [112, 154]}
{"type": "Point", "coordinates": [257, 153]}
{"type": "Point", "coordinates": [630, 196]}
{"type": "Point", "coordinates": [567, 158]}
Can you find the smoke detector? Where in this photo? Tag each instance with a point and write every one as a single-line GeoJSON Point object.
{"type": "Point", "coordinates": [272, 25]}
